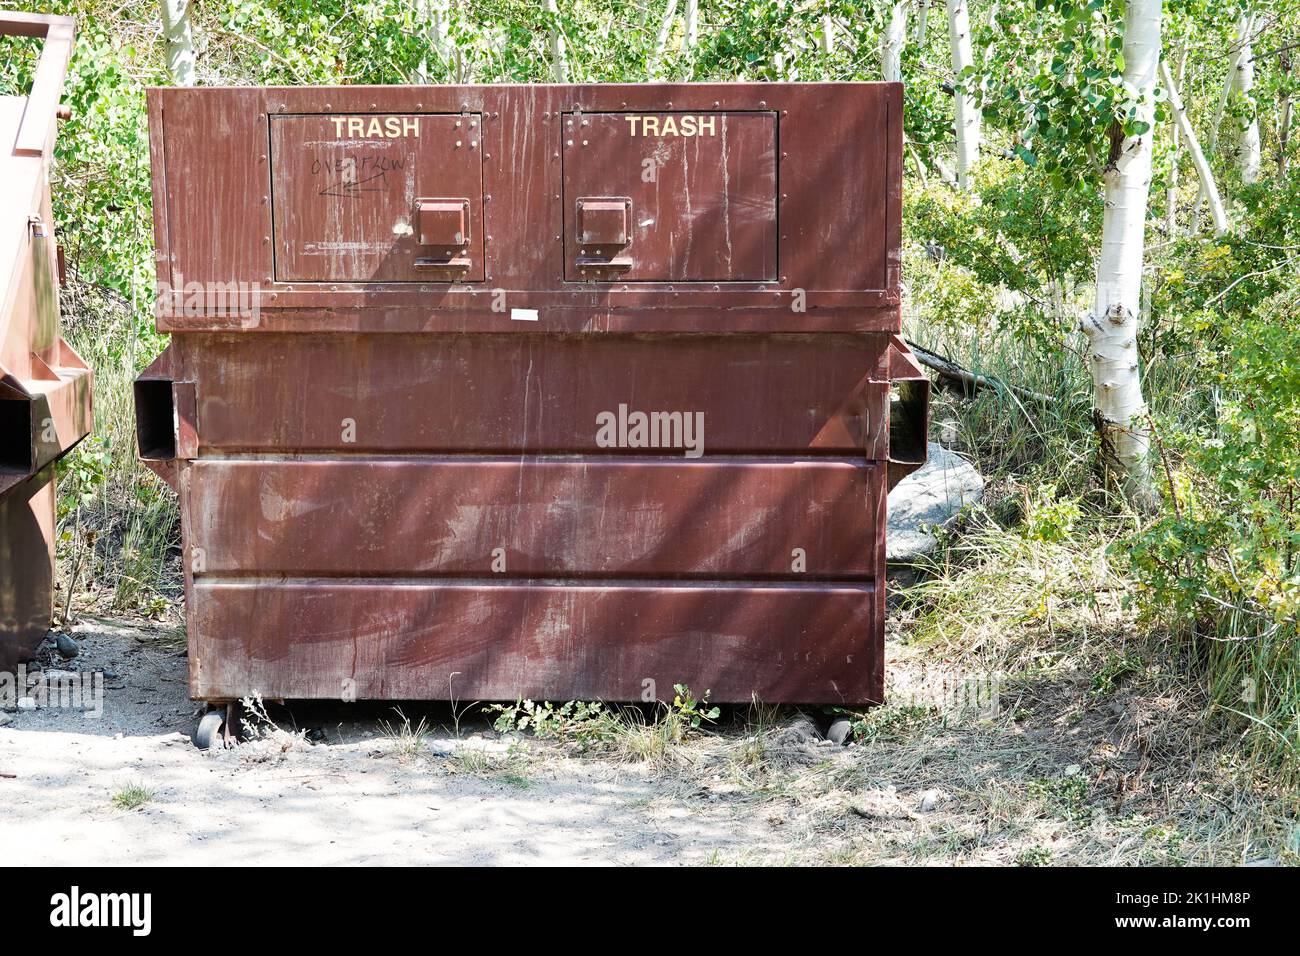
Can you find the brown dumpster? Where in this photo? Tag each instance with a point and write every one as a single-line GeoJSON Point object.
{"type": "Point", "coordinates": [44, 385]}
{"type": "Point", "coordinates": [559, 392]}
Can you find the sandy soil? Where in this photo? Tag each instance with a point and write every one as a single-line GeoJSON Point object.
{"type": "Point", "coordinates": [1057, 781]}
{"type": "Point", "coordinates": [347, 799]}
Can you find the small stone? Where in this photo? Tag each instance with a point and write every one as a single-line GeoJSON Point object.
{"type": "Point", "coordinates": [930, 799]}
{"type": "Point", "coordinates": [5, 718]}
{"type": "Point", "coordinates": [26, 703]}
{"type": "Point", "coordinates": [67, 647]}
{"type": "Point", "coordinates": [840, 731]}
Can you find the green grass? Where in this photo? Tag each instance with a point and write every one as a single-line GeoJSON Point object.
{"type": "Point", "coordinates": [133, 796]}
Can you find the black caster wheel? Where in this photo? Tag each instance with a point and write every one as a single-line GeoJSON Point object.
{"type": "Point", "coordinates": [210, 732]}
{"type": "Point", "coordinates": [840, 731]}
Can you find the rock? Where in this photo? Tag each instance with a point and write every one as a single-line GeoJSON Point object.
{"type": "Point", "coordinates": [930, 799]}
{"type": "Point", "coordinates": [801, 732]}
{"type": "Point", "coordinates": [840, 730]}
{"type": "Point", "coordinates": [443, 748]}
{"type": "Point", "coordinates": [26, 703]}
{"type": "Point", "coordinates": [5, 719]}
{"type": "Point", "coordinates": [929, 498]}
{"type": "Point", "coordinates": [67, 647]}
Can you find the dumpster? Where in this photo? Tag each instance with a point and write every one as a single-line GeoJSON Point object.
{"type": "Point", "coordinates": [45, 402]}
{"type": "Point", "coordinates": [549, 391]}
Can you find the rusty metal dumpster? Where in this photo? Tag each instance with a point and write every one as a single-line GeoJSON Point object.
{"type": "Point", "coordinates": [552, 391]}
{"type": "Point", "coordinates": [45, 402]}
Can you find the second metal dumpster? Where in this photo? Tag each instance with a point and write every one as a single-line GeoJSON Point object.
{"type": "Point", "coordinates": [44, 385]}
{"type": "Point", "coordinates": [547, 391]}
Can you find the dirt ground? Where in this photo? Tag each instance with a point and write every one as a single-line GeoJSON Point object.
{"type": "Point", "coordinates": [336, 785]}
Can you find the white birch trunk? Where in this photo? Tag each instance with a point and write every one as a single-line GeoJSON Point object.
{"type": "Point", "coordinates": [661, 40]}
{"type": "Point", "coordinates": [922, 20]}
{"type": "Point", "coordinates": [434, 15]}
{"type": "Point", "coordinates": [1229, 84]}
{"type": "Point", "coordinates": [828, 35]}
{"type": "Point", "coordinates": [891, 46]}
{"type": "Point", "coordinates": [691, 23]}
{"type": "Point", "coordinates": [1112, 326]}
{"type": "Point", "coordinates": [559, 55]}
{"type": "Point", "coordinates": [180, 41]}
{"type": "Point", "coordinates": [1248, 160]}
{"type": "Point", "coordinates": [1284, 137]}
{"type": "Point", "coordinates": [967, 109]}
{"type": "Point", "coordinates": [1203, 171]}
{"type": "Point", "coordinates": [1175, 132]}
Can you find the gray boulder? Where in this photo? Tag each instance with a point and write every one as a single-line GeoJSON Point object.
{"type": "Point", "coordinates": [928, 498]}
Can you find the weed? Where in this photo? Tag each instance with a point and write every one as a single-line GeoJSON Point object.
{"type": "Point", "coordinates": [133, 796]}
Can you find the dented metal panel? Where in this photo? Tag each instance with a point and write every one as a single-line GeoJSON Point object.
{"type": "Point", "coordinates": [45, 400]}
{"type": "Point", "coordinates": [548, 391]}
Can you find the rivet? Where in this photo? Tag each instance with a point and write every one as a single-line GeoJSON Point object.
{"type": "Point", "coordinates": [458, 144]}
{"type": "Point", "coordinates": [328, 107]}
{"type": "Point", "coordinates": [568, 142]}
{"type": "Point", "coordinates": [762, 104]}
{"type": "Point", "coordinates": [458, 124]}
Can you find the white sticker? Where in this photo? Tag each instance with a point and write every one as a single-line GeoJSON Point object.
{"type": "Point", "coordinates": [523, 315]}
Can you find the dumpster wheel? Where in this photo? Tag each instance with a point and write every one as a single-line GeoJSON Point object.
{"type": "Point", "coordinates": [209, 732]}
{"type": "Point", "coordinates": [218, 728]}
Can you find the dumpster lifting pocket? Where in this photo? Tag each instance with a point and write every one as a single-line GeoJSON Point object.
{"type": "Point", "coordinates": [909, 412]}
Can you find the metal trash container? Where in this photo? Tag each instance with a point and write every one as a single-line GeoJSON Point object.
{"type": "Point", "coordinates": [45, 387]}
{"type": "Point", "coordinates": [545, 391]}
